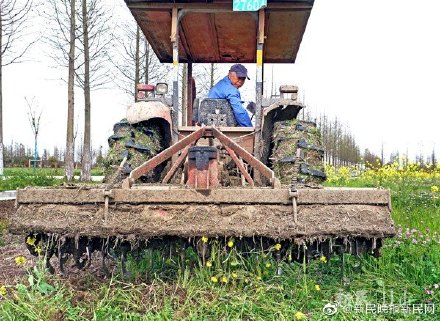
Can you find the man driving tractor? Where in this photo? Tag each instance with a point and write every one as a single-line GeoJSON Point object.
{"type": "Point", "coordinates": [227, 88]}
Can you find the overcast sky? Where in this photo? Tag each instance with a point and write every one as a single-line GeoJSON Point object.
{"type": "Point", "coordinates": [375, 64]}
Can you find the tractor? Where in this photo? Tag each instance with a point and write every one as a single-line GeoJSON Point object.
{"type": "Point", "coordinates": [182, 177]}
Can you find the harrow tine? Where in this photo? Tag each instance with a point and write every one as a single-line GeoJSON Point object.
{"type": "Point", "coordinates": [125, 248]}
{"type": "Point", "coordinates": [278, 259]}
{"type": "Point", "coordinates": [48, 255]}
{"type": "Point", "coordinates": [104, 255]}
{"type": "Point", "coordinates": [62, 258]}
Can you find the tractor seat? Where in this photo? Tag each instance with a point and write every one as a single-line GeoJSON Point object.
{"type": "Point", "coordinates": [215, 112]}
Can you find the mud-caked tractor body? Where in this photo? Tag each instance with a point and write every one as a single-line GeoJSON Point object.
{"type": "Point", "coordinates": [207, 178]}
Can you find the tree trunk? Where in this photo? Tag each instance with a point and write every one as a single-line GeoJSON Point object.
{"type": "Point", "coordinates": [1, 94]}
{"type": "Point", "coordinates": [147, 62]}
{"type": "Point", "coordinates": [212, 76]}
{"type": "Point", "coordinates": [86, 155]}
{"type": "Point", "coordinates": [137, 62]}
{"type": "Point", "coordinates": [69, 155]}
{"type": "Point", "coordinates": [184, 92]}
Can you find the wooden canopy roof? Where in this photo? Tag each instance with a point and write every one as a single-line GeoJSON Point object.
{"type": "Point", "coordinates": [210, 32]}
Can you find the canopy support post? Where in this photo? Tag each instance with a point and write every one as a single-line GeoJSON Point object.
{"type": "Point", "coordinates": [259, 84]}
{"type": "Point", "coordinates": [190, 96]}
{"type": "Point", "coordinates": [175, 42]}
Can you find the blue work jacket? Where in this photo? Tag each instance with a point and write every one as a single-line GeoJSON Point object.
{"type": "Point", "coordinates": [225, 90]}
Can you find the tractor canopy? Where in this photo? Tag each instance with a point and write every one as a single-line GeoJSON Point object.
{"type": "Point", "coordinates": [211, 32]}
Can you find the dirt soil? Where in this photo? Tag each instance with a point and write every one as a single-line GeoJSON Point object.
{"type": "Point", "coordinates": [146, 221]}
{"type": "Point", "coordinates": [11, 246]}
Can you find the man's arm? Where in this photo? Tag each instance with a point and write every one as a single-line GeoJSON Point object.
{"type": "Point", "coordinates": [240, 114]}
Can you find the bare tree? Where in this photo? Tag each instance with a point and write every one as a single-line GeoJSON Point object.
{"type": "Point", "coordinates": [13, 23]}
{"type": "Point", "coordinates": [61, 18]}
{"type": "Point", "coordinates": [95, 38]}
{"type": "Point", "coordinates": [433, 158]}
{"type": "Point", "coordinates": [34, 117]}
{"type": "Point", "coordinates": [86, 161]}
{"type": "Point", "coordinates": [134, 60]}
{"type": "Point", "coordinates": [69, 158]}
{"type": "Point", "coordinates": [206, 76]}
{"type": "Point", "coordinates": [92, 72]}
{"type": "Point", "coordinates": [84, 50]}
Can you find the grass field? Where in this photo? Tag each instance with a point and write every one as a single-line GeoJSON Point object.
{"type": "Point", "coordinates": [14, 171]}
{"type": "Point", "coordinates": [403, 284]}
{"type": "Point", "coordinates": [21, 177]}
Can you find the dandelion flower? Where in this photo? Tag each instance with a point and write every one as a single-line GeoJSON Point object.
{"type": "Point", "coordinates": [231, 243]}
{"type": "Point", "coordinates": [20, 260]}
{"type": "Point", "coordinates": [323, 259]}
{"type": "Point", "coordinates": [204, 239]}
{"type": "Point", "coordinates": [208, 264]}
{"type": "Point", "coordinates": [38, 250]}
{"type": "Point", "coordinates": [434, 189]}
{"type": "Point", "coordinates": [2, 290]}
{"type": "Point", "coordinates": [278, 246]}
{"type": "Point", "coordinates": [268, 265]}
{"type": "Point", "coordinates": [224, 279]}
{"type": "Point", "coordinates": [317, 287]}
{"type": "Point", "coordinates": [31, 240]}
{"type": "Point", "coordinates": [214, 279]}
{"type": "Point", "coordinates": [234, 275]}
{"type": "Point", "coordinates": [300, 316]}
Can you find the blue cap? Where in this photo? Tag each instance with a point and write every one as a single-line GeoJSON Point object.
{"type": "Point", "coordinates": [240, 70]}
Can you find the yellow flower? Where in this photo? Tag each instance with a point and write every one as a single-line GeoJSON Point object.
{"type": "Point", "coordinates": [434, 189]}
{"type": "Point", "coordinates": [300, 316]}
{"type": "Point", "coordinates": [234, 275]}
{"type": "Point", "coordinates": [317, 287]}
{"type": "Point", "coordinates": [224, 279]}
{"type": "Point", "coordinates": [231, 243]}
{"type": "Point", "coordinates": [278, 246]}
{"type": "Point", "coordinates": [323, 259]}
{"type": "Point", "coordinates": [268, 265]}
{"type": "Point", "coordinates": [30, 240]}
{"type": "Point", "coordinates": [208, 264]}
{"type": "Point", "coordinates": [38, 250]}
{"type": "Point", "coordinates": [20, 260]}
{"type": "Point", "coordinates": [204, 239]}
{"type": "Point", "coordinates": [2, 290]}
{"type": "Point", "coordinates": [214, 279]}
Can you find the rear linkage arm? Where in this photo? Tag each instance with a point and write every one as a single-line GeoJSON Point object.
{"type": "Point", "coordinates": [206, 131]}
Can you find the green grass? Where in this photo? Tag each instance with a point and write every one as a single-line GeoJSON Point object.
{"type": "Point", "coordinates": [45, 171]}
{"type": "Point", "coordinates": [408, 272]}
{"type": "Point", "coordinates": [22, 177]}
{"type": "Point", "coordinates": [21, 180]}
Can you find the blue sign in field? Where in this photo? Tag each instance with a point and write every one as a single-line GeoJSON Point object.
{"type": "Point", "coordinates": [249, 5]}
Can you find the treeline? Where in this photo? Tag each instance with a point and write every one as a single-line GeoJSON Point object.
{"type": "Point", "coordinates": [341, 149]}
{"type": "Point", "coordinates": [19, 155]}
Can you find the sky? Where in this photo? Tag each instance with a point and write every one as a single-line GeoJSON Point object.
{"type": "Point", "coordinates": [373, 64]}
